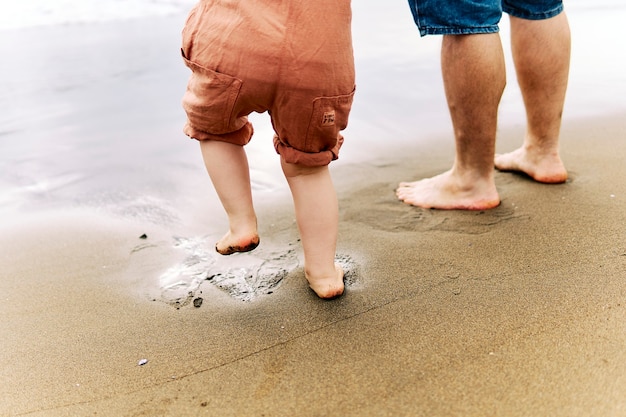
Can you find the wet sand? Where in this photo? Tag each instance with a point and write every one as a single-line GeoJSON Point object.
{"type": "Point", "coordinates": [516, 311]}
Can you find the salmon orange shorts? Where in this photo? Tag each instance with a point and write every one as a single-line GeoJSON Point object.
{"type": "Point", "coordinates": [291, 58]}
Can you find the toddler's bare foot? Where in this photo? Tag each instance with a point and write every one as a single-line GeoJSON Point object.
{"type": "Point", "coordinates": [327, 287]}
{"type": "Point", "coordinates": [230, 244]}
{"type": "Point", "coordinates": [446, 192]}
{"type": "Point", "coordinates": [542, 167]}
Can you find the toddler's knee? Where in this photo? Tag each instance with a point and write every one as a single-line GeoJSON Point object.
{"type": "Point", "coordinates": [297, 169]}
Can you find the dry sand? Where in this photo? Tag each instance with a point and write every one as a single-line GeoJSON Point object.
{"type": "Point", "coordinates": [517, 311]}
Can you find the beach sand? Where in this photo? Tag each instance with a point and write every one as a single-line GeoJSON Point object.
{"type": "Point", "coordinates": [515, 311]}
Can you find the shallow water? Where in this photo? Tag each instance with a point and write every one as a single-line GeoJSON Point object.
{"type": "Point", "coordinates": [91, 114]}
{"type": "Point", "coordinates": [33, 13]}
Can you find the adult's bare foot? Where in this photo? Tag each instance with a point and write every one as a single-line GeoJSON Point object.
{"type": "Point", "coordinates": [327, 287]}
{"type": "Point", "coordinates": [447, 192]}
{"type": "Point", "coordinates": [230, 244]}
{"type": "Point", "coordinates": [542, 167]}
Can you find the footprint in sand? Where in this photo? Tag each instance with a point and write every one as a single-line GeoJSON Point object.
{"type": "Point", "coordinates": [243, 276]}
{"type": "Point", "coordinates": [389, 215]}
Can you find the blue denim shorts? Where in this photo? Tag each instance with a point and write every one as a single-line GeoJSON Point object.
{"type": "Point", "coordinates": [461, 17]}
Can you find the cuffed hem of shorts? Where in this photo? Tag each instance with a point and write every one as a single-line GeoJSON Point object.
{"type": "Point", "coordinates": [533, 16]}
{"type": "Point", "coordinates": [239, 137]}
{"type": "Point", "coordinates": [317, 159]}
{"type": "Point", "coordinates": [457, 30]}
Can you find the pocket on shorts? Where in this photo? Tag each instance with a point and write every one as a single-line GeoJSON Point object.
{"type": "Point", "coordinates": [328, 118]}
{"type": "Point", "coordinates": [210, 100]}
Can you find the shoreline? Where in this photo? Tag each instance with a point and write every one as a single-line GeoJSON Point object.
{"type": "Point", "coordinates": [530, 288]}
{"type": "Point", "coordinates": [514, 311]}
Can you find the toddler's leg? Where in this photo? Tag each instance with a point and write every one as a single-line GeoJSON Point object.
{"type": "Point", "coordinates": [227, 165]}
{"type": "Point", "coordinates": [317, 215]}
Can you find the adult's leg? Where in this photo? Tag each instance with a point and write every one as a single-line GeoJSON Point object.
{"type": "Point", "coordinates": [227, 165]}
{"type": "Point", "coordinates": [474, 78]}
{"type": "Point", "coordinates": [317, 215]}
{"type": "Point", "coordinates": [541, 52]}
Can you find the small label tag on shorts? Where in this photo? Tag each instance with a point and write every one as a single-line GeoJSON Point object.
{"type": "Point", "coordinates": [329, 118]}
